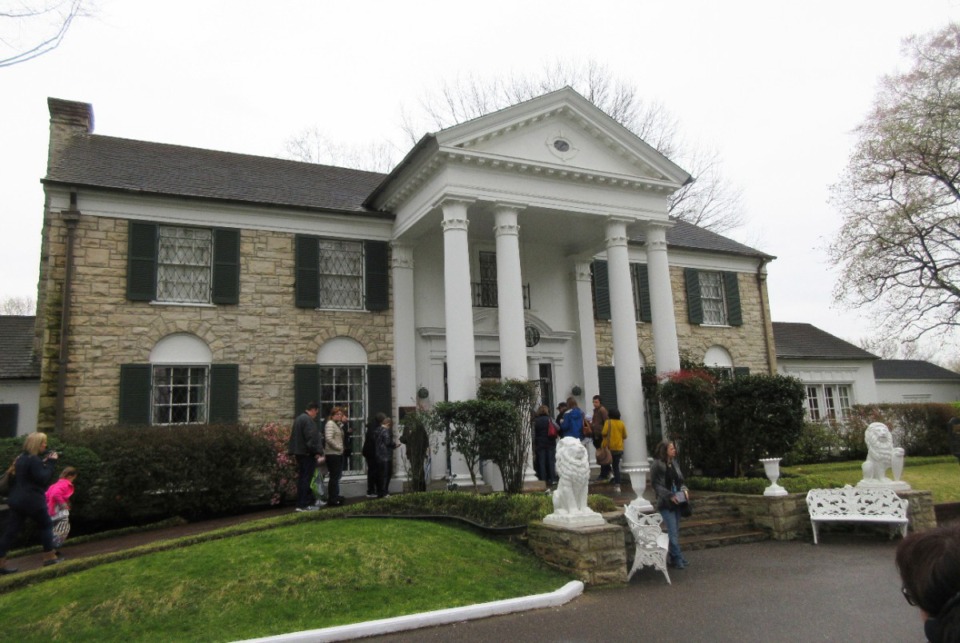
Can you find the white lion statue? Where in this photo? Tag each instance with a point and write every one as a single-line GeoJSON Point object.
{"type": "Point", "coordinates": [879, 453]}
{"type": "Point", "coordinates": [570, 498]}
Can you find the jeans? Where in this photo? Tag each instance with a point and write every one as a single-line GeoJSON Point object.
{"type": "Point", "coordinates": [617, 457]}
{"type": "Point", "coordinates": [547, 463]}
{"type": "Point", "coordinates": [671, 518]}
{"type": "Point", "coordinates": [382, 478]}
{"type": "Point", "coordinates": [306, 465]}
{"type": "Point", "coordinates": [335, 466]}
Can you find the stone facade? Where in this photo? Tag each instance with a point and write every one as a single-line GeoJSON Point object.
{"type": "Point", "coordinates": [595, 555]}
{"type": "Point", "coordinates": [265, 334]}
{"type": "Point", "coordinates": [747, 346]}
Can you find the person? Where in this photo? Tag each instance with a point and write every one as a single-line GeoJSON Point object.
{"type": "Point", "coordinates": [929, 566]}
{"type": "Point", "coordinates": [369, 453]}
{"type": "Point", "coordinates": [597, 420]}
{"type": "Point", "coordinates": [571, 426]}
{"type": "Point", "coordinates": [561, 409]}
{"type": "Point", "coordinates": [35, 468]}
{"type": "Point", "coordinates": [667, 481]}
{"type": "Point", "coordinates": [383, 455]}
{"type": "Point", "coordinates": [333, 435]}
{"type": "Point", "coordinates": [305, 446]}
{"type": "Point", "coordinates": [614, 432]}
{"type": "Point", "coordinates": [58, 506]}
{"type": "Point", "coordinates": [544, 447]}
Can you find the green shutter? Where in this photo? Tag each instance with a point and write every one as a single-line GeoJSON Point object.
{"type": "Point", "coordinates": [379, 390]}
{"type": "Point", "coordinates": [307, 273]}
{"type": "Point", "coordinates": [608, 386]}
{"type": "Point", "coordinates": [377, 269]}
{"type": "Point", "coordinates": [740, 371]}
{"type": "Point", "coordinates": [731, 292]}
{"type": "Point", "coordinates": [306, 386]}
{"type": "Point", "coordinates": [644, 312]}
{"type": "Point", "coordinates": [691, 278]}
{"type": "Point", "coordinates": [135, 393]}
{"type": "Point", "coordinates": [224, 393]}
{"type": "Point", "coordinates": [141, 261]}
{"type": "Point", "coordinates": [601, 290]}
{"type": "Point", "coordinates": [226, 266]}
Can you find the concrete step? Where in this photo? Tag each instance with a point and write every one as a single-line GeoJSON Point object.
{"type": "Point", "coordinates": [719, 540]}
{"type": "Point", "coordinates": [702, 526]}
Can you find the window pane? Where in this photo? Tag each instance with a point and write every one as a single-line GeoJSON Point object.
{"type": "Point", "coordinates": [344, 386]}
{"type": "Point", "coordinates": [179, 394]}
{"type": "Point", "coordinates": [813, 403]}
{"type": "Point", "coordinates": [341, 274]}
{"type": "Point", "coordinates": [711, 299]}
{"type": "Point", "coordinates": [183, 264]}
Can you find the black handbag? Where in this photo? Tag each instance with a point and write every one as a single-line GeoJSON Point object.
{"type": "Point", "coordinates": [686, 509]}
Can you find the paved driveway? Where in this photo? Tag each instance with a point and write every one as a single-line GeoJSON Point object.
{"type": "Point", "coordinates": [845, 589]}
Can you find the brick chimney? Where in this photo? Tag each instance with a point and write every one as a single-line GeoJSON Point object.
{"type": "Point", "coordinates": [67, 118]}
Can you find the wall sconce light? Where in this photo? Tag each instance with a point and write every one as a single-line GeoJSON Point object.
{"type": "Point", "coordinates": [576, 390]}
{"type": "Point", "coordinates": [423, 393]}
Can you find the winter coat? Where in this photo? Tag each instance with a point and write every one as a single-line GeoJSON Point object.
{"type": "Point", "coordinates": [614, 433]}
{"type": "Point", "coordinates": [572, 424]}
{"type": "Point", "coordinates": [33, 476]}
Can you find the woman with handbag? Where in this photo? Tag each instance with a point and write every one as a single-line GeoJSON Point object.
{"type": "Point", "coordinates": [667, 481]}
{"type": "Point", "coordinates": [614, 433]}
{"type": "Point", "coordinates": [35, 468]}
{"type": "Point", "coordinates": [333, 450]}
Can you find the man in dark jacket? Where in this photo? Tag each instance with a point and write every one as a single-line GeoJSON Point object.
{"type": "Point", "coordinates": [304, 445]}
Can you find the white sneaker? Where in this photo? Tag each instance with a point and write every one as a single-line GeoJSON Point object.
{"type": "Point", "coordinates": [310, 508]}
{"type": "Point", "coordinates": [616, 489]}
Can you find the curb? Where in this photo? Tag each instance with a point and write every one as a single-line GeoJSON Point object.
{"type": "Point", "coordinates": [429, 619]}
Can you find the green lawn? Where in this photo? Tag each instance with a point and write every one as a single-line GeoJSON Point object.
{"type": "Point", "coordinates": [941, 475]}
{"type": "Point", "coordinates": [309, 575]}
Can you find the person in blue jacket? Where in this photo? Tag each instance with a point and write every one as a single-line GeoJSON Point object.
{"type": "Point", "coordinates": [571, 426]}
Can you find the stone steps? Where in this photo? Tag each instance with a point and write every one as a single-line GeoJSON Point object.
{"type": "Point", "coordinates": [720, 539]}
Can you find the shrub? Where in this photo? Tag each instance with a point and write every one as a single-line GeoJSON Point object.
{"type": "Point", "coordinates": [471, 427]}
{"type": "Point", "coordinates": [688, 400]}
{"type": "Point", "coordinates": [509, 442]}
{"type": "Point", "coordinates": [414, 437]}
{"type": "Point", "coordinates": [187, 470]}
{"type": "Point", "coordinates": [281, 474]}
{"type": "Point", "coordinates": [760, 416]}
{"type": "Point", "coordinates": [756, 486]}
{"type": "Point", "coordinates": [921, 429]}
{"type": "Point", "coordinates": [818, 442]}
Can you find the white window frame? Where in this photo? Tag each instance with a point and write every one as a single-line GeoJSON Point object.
{"type": "Point", "coordinates": [337, 388]}
{"type": "Point", "coordinates": [829, 402]}
{"type": "Point", "coordinates": [184, 265]}
{"type": "Point", "coordinates": [168, 396]}
{"type": "Point", "coordinates": [713, 300]}
{"type": "Point", "coordinates": [336, 277]}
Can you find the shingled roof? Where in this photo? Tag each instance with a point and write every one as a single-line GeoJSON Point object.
{"type": "Point", "coordinates": [806, 341]}
{"type": "Point", "coordinates": [16, 354]}
{"type": "Point", "coordinates": [688, 236]}
{"type": "Point", "coordinates": [174, 170]}
{"type": "Point", "coordinates": [911, 369]}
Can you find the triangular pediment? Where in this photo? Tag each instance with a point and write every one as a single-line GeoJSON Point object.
{"type": "Point", "coordinates": [560, 130]}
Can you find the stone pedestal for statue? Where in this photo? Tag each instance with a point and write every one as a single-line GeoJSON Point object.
{"type": "Point", "coordinates": [570, 508]}
{"type": "Point", "coordinates": [881, 455]}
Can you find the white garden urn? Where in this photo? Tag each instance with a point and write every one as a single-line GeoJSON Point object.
{"type": "Point", "coordinates": [771, 466]}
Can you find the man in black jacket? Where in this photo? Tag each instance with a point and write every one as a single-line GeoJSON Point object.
{"type": "Point", "coordinates": [305, 444]}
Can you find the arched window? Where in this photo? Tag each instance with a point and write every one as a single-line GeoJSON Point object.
{"type": "Point", "coordinates": [718, 359]}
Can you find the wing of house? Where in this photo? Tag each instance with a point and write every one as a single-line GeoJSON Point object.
{"type": "Point", "coordinates": [913, 380]}
{"type": "Point", "coordinates": [19, 376]}
{"type": "Point", "coordinates": [836, 373]}
{"type": "Point", "coordinates": [534, 242]}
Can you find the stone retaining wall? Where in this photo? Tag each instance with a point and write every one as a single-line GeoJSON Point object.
{"type": "Point", "coordinates": [595, 555]}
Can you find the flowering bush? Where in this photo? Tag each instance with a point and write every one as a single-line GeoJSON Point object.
{"type": "Point", "coordinates": [282, 474]}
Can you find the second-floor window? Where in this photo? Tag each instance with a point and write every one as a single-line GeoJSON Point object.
{"type": "Point", "coordinates": [712, 299]}
{"type": "Point", "coordinates": [184, 264]}
{"type": "Point", "coordinates": [341, 274]}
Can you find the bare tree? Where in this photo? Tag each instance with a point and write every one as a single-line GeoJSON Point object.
{"type": "Point", "coordinates": [887, 347]}
{"type": "Point", "coordinates": [31, 28]}
{"type": "Point", "coordinates": [710, 202]}
{"type": "Point", "coordinates": [18, 306]}
{"type": "Point", "coordinates": [312, 145]}
{"type": "Point", "coordinates": [899, 246]}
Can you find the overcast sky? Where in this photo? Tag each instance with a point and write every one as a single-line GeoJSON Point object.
{"type": "Point", "coordinates": [776, 87]}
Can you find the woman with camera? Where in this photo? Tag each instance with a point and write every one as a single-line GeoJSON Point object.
{"type": "Point", "coordinates": [34, 468]}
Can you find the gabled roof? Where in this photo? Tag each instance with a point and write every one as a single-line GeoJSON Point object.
{"type": "Point", "coordinates": [911, 369]}
{"type": "Point", "coordinates": [688, 236]}
{"type": "Point", "coordinates": [16, 356]}
{"type": "Point", "coordinates": [173, 170]}
{"type": "Point", "coordinates": [806, 341]}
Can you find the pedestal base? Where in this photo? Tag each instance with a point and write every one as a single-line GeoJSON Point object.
{"type": "Point", "coordinates": [775, 490]}
{"type": "Point", "coordinates": [575, 521]}
{"type": "Point", "coordinates": [896, 485]}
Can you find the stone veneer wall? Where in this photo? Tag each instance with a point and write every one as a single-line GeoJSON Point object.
{"type": "Point", "coordinates": [265, 334]}
{"type": "Point", "coordinates": [595, 555]}
{"type": "Point", "coordinates": [749, 345]}
{"type": "Point", "coordinates": [787, 518]}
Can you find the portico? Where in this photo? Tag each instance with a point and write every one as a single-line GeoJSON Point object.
{"type": "Point", "coordinates": [548, 186]}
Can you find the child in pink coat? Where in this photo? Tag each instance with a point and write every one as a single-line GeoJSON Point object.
{"type": "Point", "coordinates": [58, 506]}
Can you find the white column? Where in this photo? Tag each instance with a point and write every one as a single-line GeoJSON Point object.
{"type": "Point", "coordinates": [666, 349]}
{"type": "Point", "coordinates": [588, 335]}
{"type": "Point", "coordinates": [458, 312]}
{"type": "Point", "coordinates": [513, 346]}
{"type": "Point", "coordinates": [404, 330]}
{"type": "Point", "coordinates": [458, 304]}
{"type": "Point", "coordinates": [626, 353]}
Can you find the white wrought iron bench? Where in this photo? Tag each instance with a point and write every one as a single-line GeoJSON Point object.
{"type": "Point", "coordinates": [857, 504]}
{"type": "Point", "coordinates": [651, 541]}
